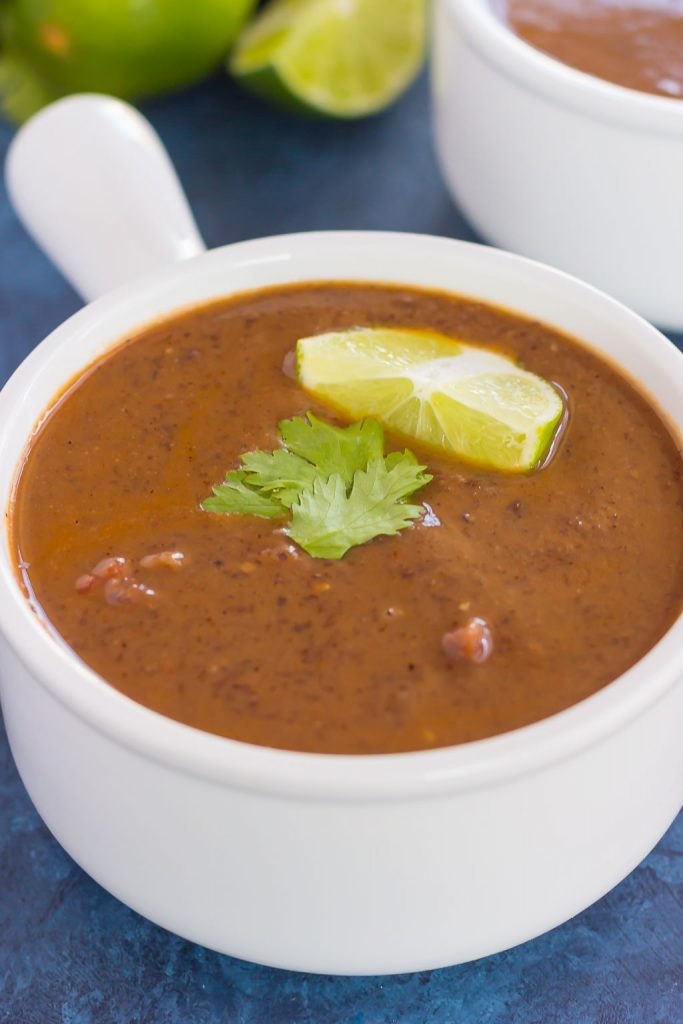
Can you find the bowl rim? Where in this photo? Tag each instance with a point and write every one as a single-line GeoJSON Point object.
{"type": "Point", "coordinates": [466, 767]}
{"type": "Point", "coordinates": [547, 76]}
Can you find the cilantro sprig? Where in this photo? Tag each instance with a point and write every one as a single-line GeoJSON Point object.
{"type": "Point", "coordinates": [335, 483]}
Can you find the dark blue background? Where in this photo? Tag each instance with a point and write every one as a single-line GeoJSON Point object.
{"type": "Point", "coordinates": [70, 953]}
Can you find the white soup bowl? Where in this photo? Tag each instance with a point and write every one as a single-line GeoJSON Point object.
{"type": "Point", "coordinates": [338, 864]}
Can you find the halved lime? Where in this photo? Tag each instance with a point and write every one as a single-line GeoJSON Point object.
{"type": "Point", "coordinates": [461, 398]}
{"type": "Point", "coordinates": [344, 58]}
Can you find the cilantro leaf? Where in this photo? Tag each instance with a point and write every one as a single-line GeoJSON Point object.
{"type": "Point", "coordinates": [327, 520]}
{"type": "Point", "coordinates": [331, 449]}
{"type": "Point", "coordinates": [282, 475]}
{"type": "Point", "coordinates": [335, 482]}
{"type": "Point", "coordinates": [409, 476]}
{"type": "Point", "coordinates": [237, 497]}
{"type": "Point", "coordinates": [393, 458]}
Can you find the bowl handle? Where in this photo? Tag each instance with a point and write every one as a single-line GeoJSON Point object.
{"type": "Point", "coordinates": [94, 186]}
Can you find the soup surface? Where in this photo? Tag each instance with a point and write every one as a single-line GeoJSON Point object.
{"type": "Point", "coordinates": [636, 44]}
{"type": "Point", "coordinates": [577, 569]}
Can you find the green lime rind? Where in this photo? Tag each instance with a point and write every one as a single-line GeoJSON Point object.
{"type": "Point", "coordinates": [23, 90]}
{"type": "Point", "coordinates": [50, 48]}
{"type": "Point", "coordinates": [266, 84]}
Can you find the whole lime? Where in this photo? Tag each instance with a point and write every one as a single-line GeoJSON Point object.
{"type": "Point", "coordinates": [129, 48]}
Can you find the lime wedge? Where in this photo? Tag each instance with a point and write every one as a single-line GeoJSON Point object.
{"type": "Point", "coordinates": [459, 398]}
{"type": "Point", "coordinates": [343, 58]}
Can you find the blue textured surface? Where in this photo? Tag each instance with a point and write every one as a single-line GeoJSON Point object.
{"type": "Point", "coordinates": [69, 952]}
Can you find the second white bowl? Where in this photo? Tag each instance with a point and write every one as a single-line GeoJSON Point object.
{"type": "Point", "coordinates": [558, 165]}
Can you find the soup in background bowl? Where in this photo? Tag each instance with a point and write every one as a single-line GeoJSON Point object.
{"type": "Point", "coordinates": [635, 44]}
{"type": "Point", "coordinates": [358, 864]}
